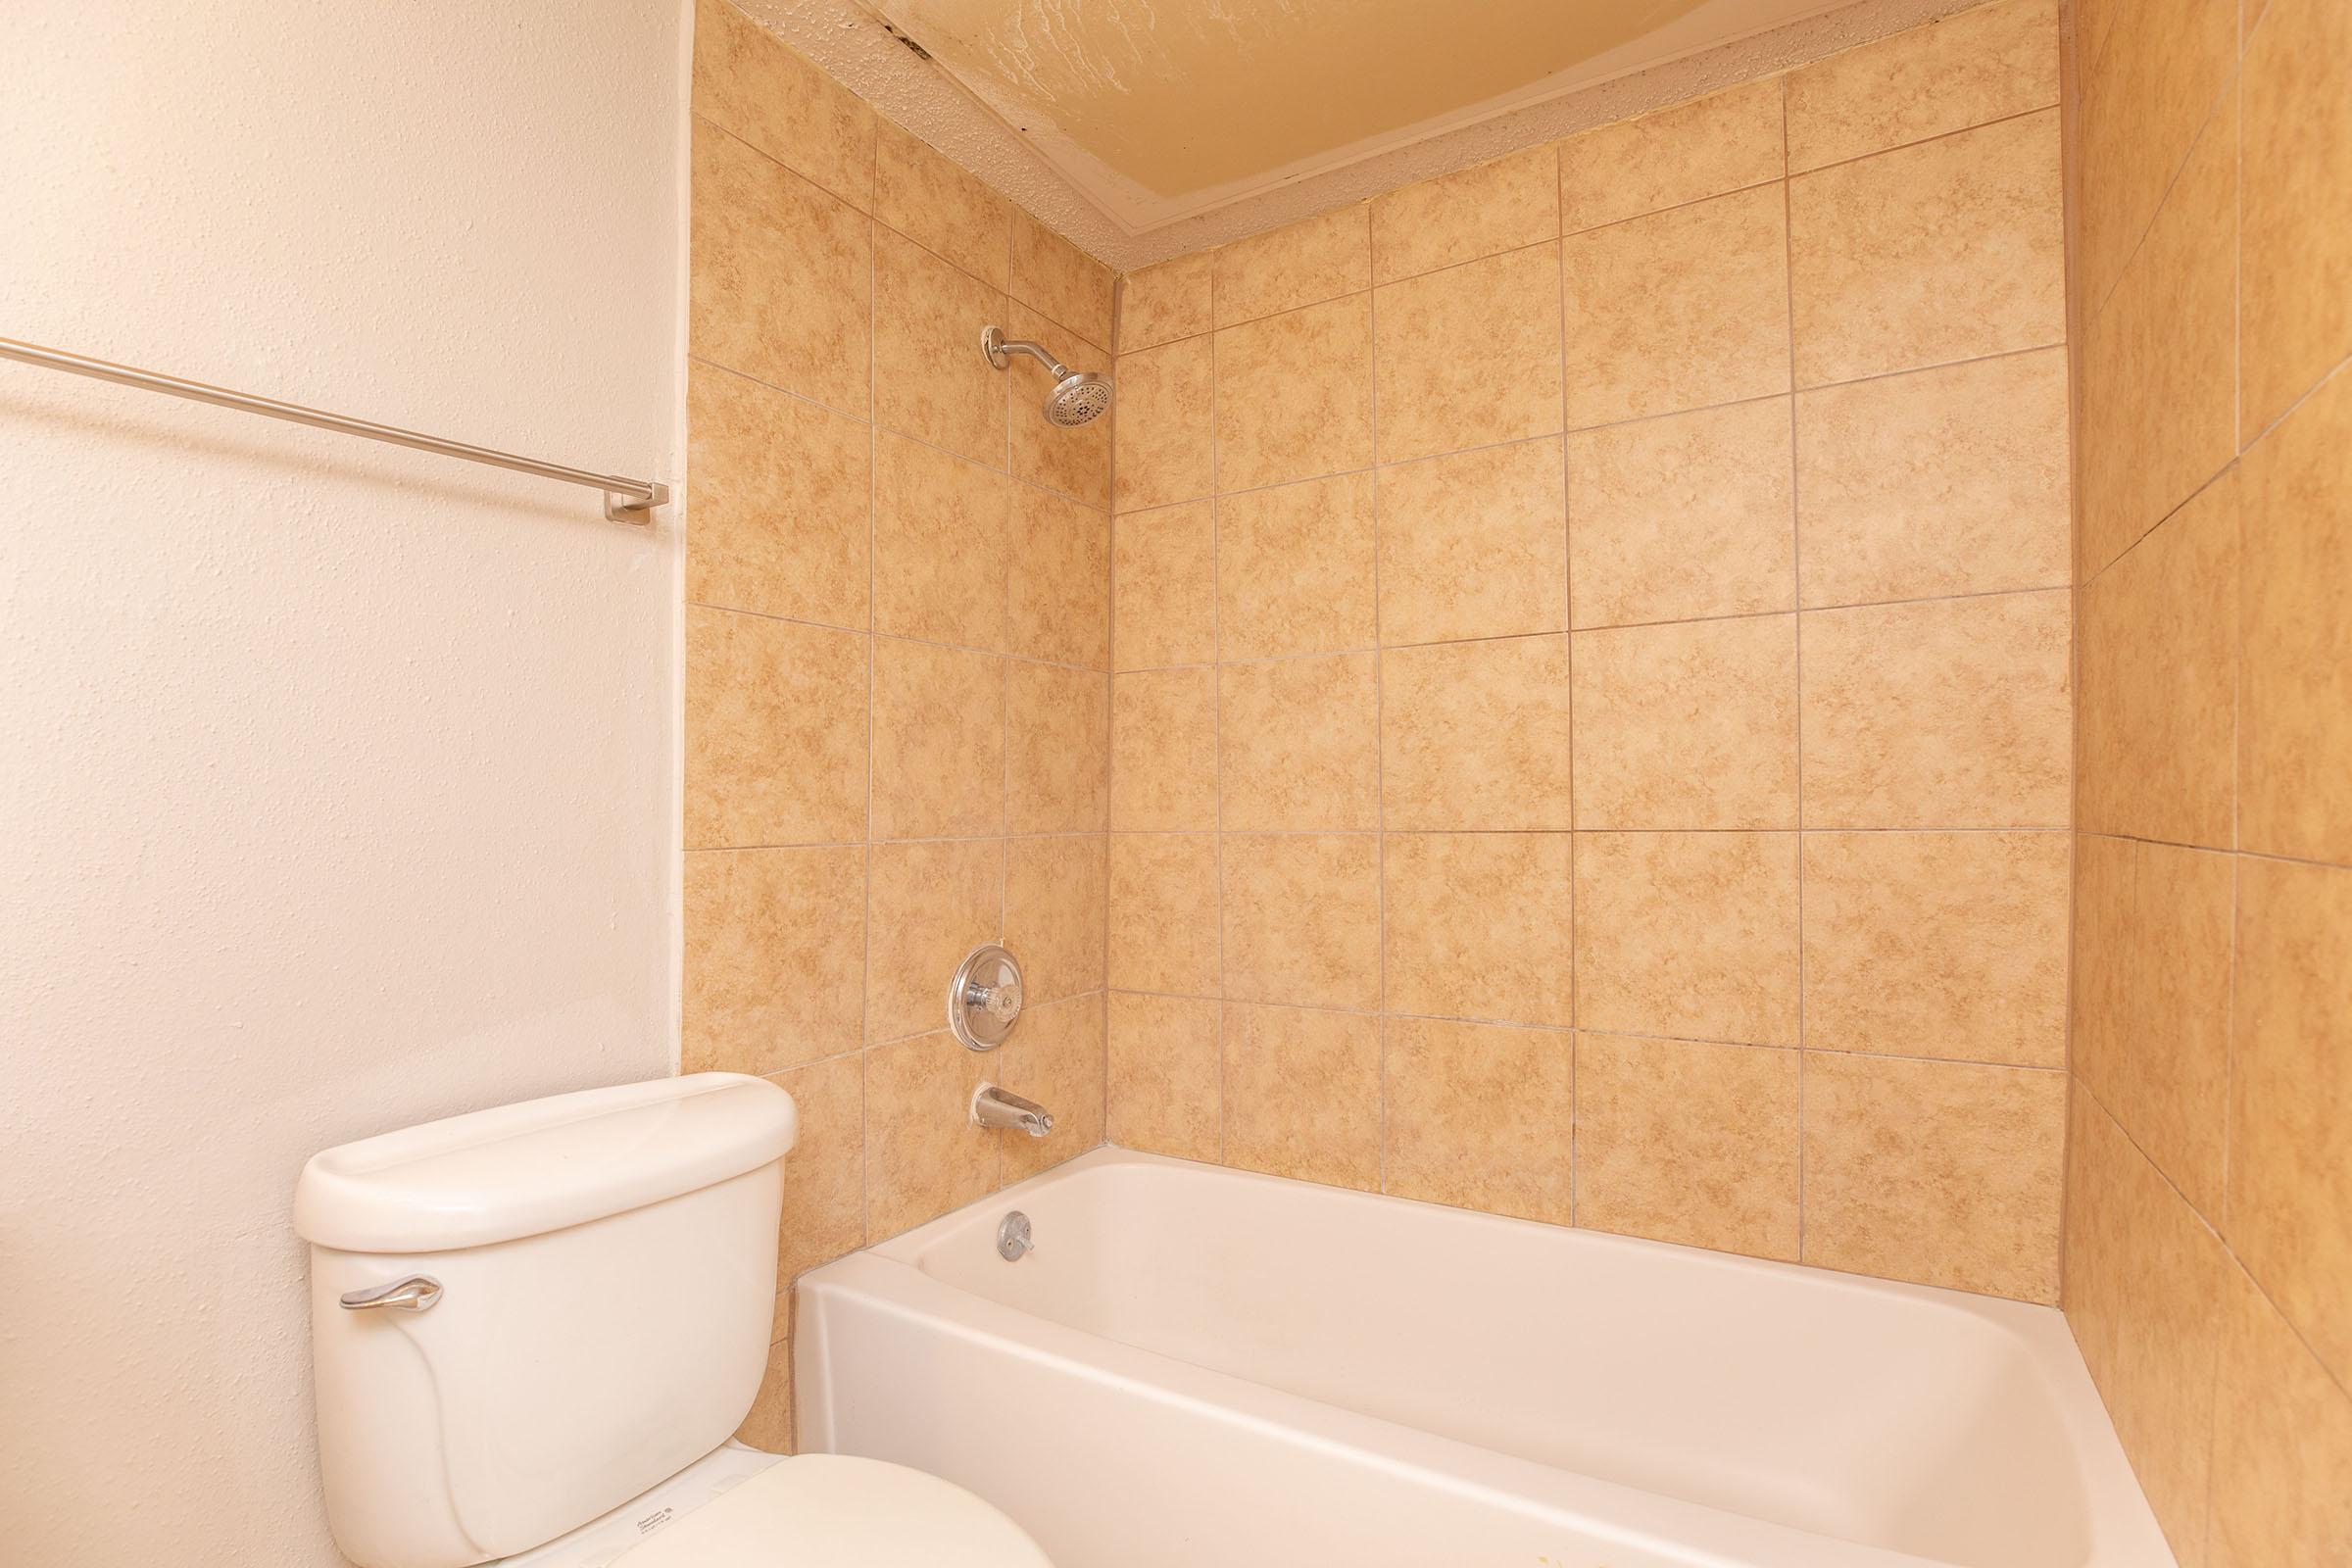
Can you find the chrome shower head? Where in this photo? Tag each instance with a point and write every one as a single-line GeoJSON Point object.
{"type": "Point", "coordinates": [1079, 397]}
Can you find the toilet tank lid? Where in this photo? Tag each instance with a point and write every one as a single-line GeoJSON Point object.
{"type": "Point", "coordinates": [540, 1165]}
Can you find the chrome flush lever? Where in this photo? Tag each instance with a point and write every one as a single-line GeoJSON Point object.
{"type": "Point", "coordinates": [416, 1294]}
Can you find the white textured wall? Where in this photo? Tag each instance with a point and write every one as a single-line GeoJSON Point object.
{"type": "Point", "coordinates": [336, 782]}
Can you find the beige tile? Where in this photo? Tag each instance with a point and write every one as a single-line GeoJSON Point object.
{"type": "Point", "coordinates": [1056, 1058]}
{"type": "Point", "coordinates": [1162, 303]}
{"type": "Point", "coordinates": [1949, 713]}
{"type": "Point", "coordinates": [2294, 759]}
{"type": "Point", "coordinates": [1055, 890]}
{"type": "Point", "coordinates": [1684, 153]}
{"type": "Point", "coordinates": [781, 275]}
{"type": "Point", "coordinates": [1474, 545]}
{"type": "Point", "coordinates": [1677, 310]}
{"type": "Point", "coordinates": [775, 731]}
{"type": "Point", "coordinates": [2152, 957]}
{"type": "Point", "coordinates": [1302, 1094]}
{"type": "Point", "coordinates": [2282, 1445]}
{"type": "Point", "coordinates": [1306, 263]}
{"type": "Point", "coordinates": [939, 742]}
{"type": "Point", "coordinates": [1057, 750]}
{"type": "Point", "coordinates": [749, 82]}
{"type": "Point", "coordinates": [1942, 1172]}
{"type": "Point", "coordinates": [1161, 433]}
{"type": "Point", "coordinates": [768, 1426]}
{"type": "Point", "coordinates": [2159, 362]}
{"type": "Point", "coordinates": [1476, 925]}
{"type": "Point", "coordinates": [1164, 912]}
{"type": "Point", "coordinates": [1298, 745]}
{"type": "Point", "coordinates": [933, 201]}
{"type": "Point", "coordinates": [2144, 1280]}
{"type": "Point", "coordinates": [1163, 750]}
{"type": "Point", "coordinates": [1470, 356]}
{"type": "Point", "coordinates": [1480, 1117]}
{"type": "Point", "coordinates": [824, 1175]}
{"type": "Point", "coordinates": [1944, 481]}
{"type": "Point", "coordinates": [783, 535]}
{"type": "Point", "coordinates": [923, 1156]}
{"type": "Point", "coordinates": [1296, 569]}
{"type": "Point", "coordinates": [1301, 920]}
{"type": "Point", "coordinates": [2290, 1112]}
{"type": "Point", "coordinates": [929, 904]}
{"type": "Point", "coordinates": [2157, 656]}
{"type": "Point", "coordinates": [1054, 277]}
{"type": "Point", "coordinates": [1476, 211]}
{"type": "Point", "coordinates": [1688, 516]}
{"type": "Point", "coordinates": [1948, 250]}
{"type": "Point", "coordinates": [2297, 257]}
{"type": "Point", "coordinates": [1166, 1076]}
{"type": "Point", "coordinates": [1475, 735]}
{"type": "Point", "coordinates": [1057, 589]}
{"type": "Point", "coordinates": [1073, 460]}
{"type": "Point", "coordinates": [1950, 945]}
{"type": "Point", "coordinates": [1164, 587]}
{"type": "Point", "coordinates": [931, 381]}
{"type": "Point", "coordinates": [941, 536]}
{"type": "Point", "coordinates": [1294, 395]}
{"type": "Point", "coordinates": [775, 957]}
{"type": "Point", "coordinates": [1689, 1143]}
{"type": "Point", "coordinates": [1966, 70]}
{"type": "Point", "coordinates": [2141, 101]}
{"type": "Point", "coordinates": [1689, 935]}
{"type": "Point", "coordinates": [1687, 725]}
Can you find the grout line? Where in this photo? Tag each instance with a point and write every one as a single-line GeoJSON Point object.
{"type": "Point", "coordinates": [1216, 708]}
{"type": "Point", "coordinates": [2271, 857]}
{"type": "Point", "coordinates": [1796, 588]}
{"type": "Point", "coordinates": [1457, 832]}
{"type": "Point", "coordinates": [1575, 997]}
{"type": "Point", "coordinates": [866, 1022]}
{"type": "Point", "coordinates": [1110, 646]}
{"type": "Point", "coordinates": [1572, 631]}
{"type": "Point", "coordinates": [1589, 1029]}
{"type": "Point", "coordinates": [1380, 748]}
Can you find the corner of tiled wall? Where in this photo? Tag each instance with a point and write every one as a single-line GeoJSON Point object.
{"type": "Point", "coordinates": [898, 652]}
{"type": "Point", "coordinates": [2209, 1218]}
{"type": "Point", "coordinates": [1591, 721]}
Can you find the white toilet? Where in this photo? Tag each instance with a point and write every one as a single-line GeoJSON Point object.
{"type": "Point", "coordinates": [534, 1329]}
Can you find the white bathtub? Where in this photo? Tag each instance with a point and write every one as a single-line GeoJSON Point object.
{"type": "Point", "coordinates": [1204, 1368]}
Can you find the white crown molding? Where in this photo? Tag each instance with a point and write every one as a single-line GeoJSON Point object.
{"type": "Point", "coordinates": [854, 45]}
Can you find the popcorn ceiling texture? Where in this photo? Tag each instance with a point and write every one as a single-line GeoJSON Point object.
{"type": "Point", "coordinates": [854, 46]}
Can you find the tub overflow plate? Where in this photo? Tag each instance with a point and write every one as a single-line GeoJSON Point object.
{"type": "Point", "coordinates": [1012, 1236]}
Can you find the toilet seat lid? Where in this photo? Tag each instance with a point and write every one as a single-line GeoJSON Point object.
{"type": "Point", "coordinates": [825, 1510]}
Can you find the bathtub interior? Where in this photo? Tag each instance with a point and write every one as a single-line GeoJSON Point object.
{"type": "Point", "coordinates": [1912, 1421]}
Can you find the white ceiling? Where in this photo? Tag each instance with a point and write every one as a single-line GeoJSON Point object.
{"type": "Point", "coordinates": [1147, 128]}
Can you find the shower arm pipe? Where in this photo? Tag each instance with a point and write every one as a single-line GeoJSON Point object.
{"type": "Point", "coordinates": [627, 500]}
{"type": "Point", "coordinates": [997, 346]}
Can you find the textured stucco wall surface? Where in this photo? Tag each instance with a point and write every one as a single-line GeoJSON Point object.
{"type": "Point", "coordinates": [338, 780]}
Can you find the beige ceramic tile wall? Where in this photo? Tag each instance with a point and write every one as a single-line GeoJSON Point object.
{"type": "Point", "coordinates": [2209, 1218]}
{"type": "Point", "coordinates": [897, 646]}
{"type": "Point", "coordinates": [1592, 730]}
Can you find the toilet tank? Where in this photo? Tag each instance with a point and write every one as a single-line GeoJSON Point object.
{"type": "Point", "coordinates": [606, 1272]}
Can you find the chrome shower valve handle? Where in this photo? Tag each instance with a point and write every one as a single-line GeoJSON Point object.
{"type": "Point", "coordinates": [984, 999]}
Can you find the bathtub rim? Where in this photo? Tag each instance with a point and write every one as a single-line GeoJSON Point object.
{"type": "Point", "coordinates": [888, 1276]}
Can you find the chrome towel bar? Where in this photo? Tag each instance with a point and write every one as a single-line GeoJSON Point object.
{"type": "Point", "coordinates": [625, 500]}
